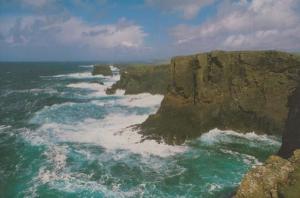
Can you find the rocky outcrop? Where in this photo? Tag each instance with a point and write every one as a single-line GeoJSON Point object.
{"type": "Point", "coordinates": [291, 133]}
{"type": "Point", "coordinates": [278, 177]}
{"type": "Point", "coordinates": [139, 79]}
{"type": "Point", "coordinates": [242, 91]}
{"type": "Point", "coordinates": [102, 70]}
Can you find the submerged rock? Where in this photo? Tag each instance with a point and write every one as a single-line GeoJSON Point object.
{"type": "Point", "coordinates": [278, 177]}
{"type": "Point", "coordinates": [242, 91]}
{"type": "Point", "coordinates": [139, 79]}
{"type": "Point", "coordinates": [102, 70]}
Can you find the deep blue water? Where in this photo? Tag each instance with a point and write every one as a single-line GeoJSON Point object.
{"type": "Point", "coordinates": [62, 136]}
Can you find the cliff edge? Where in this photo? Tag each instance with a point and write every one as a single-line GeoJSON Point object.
{"type": "Point", "coordinates": [242, 91]}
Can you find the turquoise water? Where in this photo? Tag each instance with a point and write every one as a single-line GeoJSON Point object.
{"type": "Point", "coordinates": [62, 136]}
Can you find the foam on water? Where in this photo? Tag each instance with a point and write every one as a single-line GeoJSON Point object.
{"type": "Point", "coordinates": [98, 88]}
{"type": "Point", "coordinates": [216, 135]}
{"type": "Point", "coordinates": [248, 159]}
{"type": "Point", "coordinates": [141, 100]}
{"type": "Point", "coordinates": [80, 75]}
{"type": "Point", "coordinates": [3, 127]}
{"type": "Point", "coordinates": [114, 69]}
{"type": "Point", "coordinates": [86, 66]}
{"type": "Point", "coordinates": [112, 133]}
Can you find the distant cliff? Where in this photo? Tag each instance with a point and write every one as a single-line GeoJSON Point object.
{"type": "Point", "coordinates": [102, 70]}
{"type": "Point", "coordinates": [146, 78]}
{"type": "Point", "coordinates": [243, 91]}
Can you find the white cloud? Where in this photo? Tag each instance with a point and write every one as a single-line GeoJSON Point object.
{"type": "Point", "coordinates": [256, 24]}
{"type": "Point", "coordinates": [187, 8]}
{"type": "Point", "coordinates": [70, 31]}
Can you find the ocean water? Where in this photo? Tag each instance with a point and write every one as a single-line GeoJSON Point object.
{"type": "Point", "coordinates": [62, 136]}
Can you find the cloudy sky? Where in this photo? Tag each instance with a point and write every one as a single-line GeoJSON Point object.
{"type": "Point", "coordinates": [109, 30]}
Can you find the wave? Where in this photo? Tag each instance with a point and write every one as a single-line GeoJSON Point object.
{"type": "Point", "coordinates": [114, 69]}
{"type": "Point", "coordinates": [141, 100]}
{"type": "Point", "coordinates": [3, 127]}
{"type": "Point", "coordinates": [98, 88]}
{"type": "Point", "coordinates": [34, 91]}
{"type": "Point", "coordinates": [86, 66]}
{"type": "Point", "coordinates": [248, 159]}
{"type": "Point", "coordinates": [216, 136]}
{"type": "Point", "coordinates": [81, 75]}
{"type": "Point", "coordinates": [112, 133]}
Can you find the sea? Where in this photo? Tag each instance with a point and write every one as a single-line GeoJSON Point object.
{"type": "Point", "coordinates": [61, 135]}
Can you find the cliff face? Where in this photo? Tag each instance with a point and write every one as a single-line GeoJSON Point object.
{"type": "Point", "coordinates": [139, 79]}
{"type": "Point", "coordinates": [278, 177]}
{"type": "Point", "coordinates": [102, 70]}
{"type": "Point", "coordinates": [291, 133]}
{"type": "Point", "coordinates": [242, 91]}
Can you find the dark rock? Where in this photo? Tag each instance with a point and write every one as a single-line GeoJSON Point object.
{"type": "Point", "coordinates": [291, 133]}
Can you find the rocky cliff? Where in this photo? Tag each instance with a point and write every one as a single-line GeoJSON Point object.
{"type": "Point", "coordinates": [291, 133]}
{"type": "Point", "coordinates": [102, 70]}
{"type": "Point", "coordinates": [278, 177]}
{"type": "Point", "coordinates": [146, 78]}
{"type": "Point", "coordinates": [243, 91]}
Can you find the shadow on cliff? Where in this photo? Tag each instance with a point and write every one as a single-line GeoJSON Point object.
{"type": "Point", "coordinates": [291, 133]}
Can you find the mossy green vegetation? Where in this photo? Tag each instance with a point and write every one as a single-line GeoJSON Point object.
{"type": "Point", "coordinates": [142, 78]}
{"type": "Point", "coordinates": [243, 91]}
{"type": "Point", "coordinates": [102, 70]}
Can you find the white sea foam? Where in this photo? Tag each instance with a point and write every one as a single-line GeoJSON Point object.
{"type": "Point", "coordinates": [114, 69]}
{"type": "Point", "coordinates": [141, 100]}
{"type": "Point", "coordinates": [248, 159]}
{"type": "Point", "coordinates": [112, 133]}
{"type": "Point", "coordinates": [81, 75]}
{"type": "Point", "coordinates": [214, 187]}
{"type": "Point", "coordinates": [86, 66]}
{"type": "Point", "coordinates": [98, 88]}
{"type": "Point", "coordinates": [3, 127]}
{"type": "Point", "coordinates": [45, 90]}
{"type": "Point", "coordinates": [216, 135]}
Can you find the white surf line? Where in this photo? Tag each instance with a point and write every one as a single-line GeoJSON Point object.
{"type": "Point", "coordinates": [2, 127]}
{"type": "Point", "coordinates": [215, 136]}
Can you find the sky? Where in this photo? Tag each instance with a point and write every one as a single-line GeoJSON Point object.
{"type": "Point", "coordinates": [135, 30]}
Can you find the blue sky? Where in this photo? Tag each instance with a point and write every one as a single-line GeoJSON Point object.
{"type": "Point", "coordinates": [130, 30]}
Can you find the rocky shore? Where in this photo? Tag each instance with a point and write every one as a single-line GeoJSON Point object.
{"type": "Point", "coordinates": [278, 177]}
